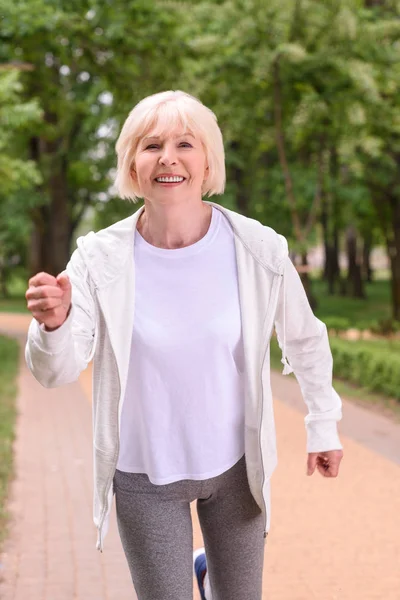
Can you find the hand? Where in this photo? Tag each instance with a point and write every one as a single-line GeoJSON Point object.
{"type": "Point", "coordinates": [49, 299]}
{"type": "Point", "coordinates": [327, 462]}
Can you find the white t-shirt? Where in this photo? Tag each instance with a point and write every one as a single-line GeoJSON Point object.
{"type": "Point", "coordinates": [183, 412]}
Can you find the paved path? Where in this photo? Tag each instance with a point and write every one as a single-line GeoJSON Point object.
{"type": "Point", "coordinates": [330, 539]}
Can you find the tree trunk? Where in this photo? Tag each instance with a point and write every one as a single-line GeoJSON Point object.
{"type": "Point", "coordinates": [354, 276]}
{"type": "Point", "coordinates": [59, 222]}
{"type": "Point", "coordinates": [331, 248]}
{"type": "Point", "coordinates": [367, 271]}
{"type": "Point", "coordinates": [51, 236]}
{"type": "Point", "coordinates": [3, 283]}
{"type": "Point", "coordinates": [52, 223]}
{"type": "Point", "coordinates": [301, 231]}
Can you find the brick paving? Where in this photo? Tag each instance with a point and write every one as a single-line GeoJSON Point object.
{"type": "Point", "coordinates": [330, 539]}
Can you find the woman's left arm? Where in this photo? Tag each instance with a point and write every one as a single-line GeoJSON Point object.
{"type": "Point", "coordinates": [304, 342]}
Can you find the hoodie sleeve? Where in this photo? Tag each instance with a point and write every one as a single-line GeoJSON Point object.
{"type": "Point", "coordinates": [58, 357]}
{"type": "Point", "coordinates": [304, 342]}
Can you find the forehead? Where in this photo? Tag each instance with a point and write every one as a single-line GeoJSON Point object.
{"type": "Point", "coordinates": [165, 133]}
{"type": "Point", "coordinates": [168, 122]}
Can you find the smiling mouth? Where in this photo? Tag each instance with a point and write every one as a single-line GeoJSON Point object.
{"type": "Point", "coordinates": [174, 179]}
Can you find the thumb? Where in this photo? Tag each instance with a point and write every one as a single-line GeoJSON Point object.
{"type": "Point", "coordinates": [64, 282]}
{"type": "Point", "coordinates": [311, 462]}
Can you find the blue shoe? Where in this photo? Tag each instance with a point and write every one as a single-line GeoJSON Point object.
{"type": "Point", "coordinates": [200, 569]}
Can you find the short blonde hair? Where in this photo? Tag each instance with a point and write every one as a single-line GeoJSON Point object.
{"type": "Point", "coordinates": [164, 112]}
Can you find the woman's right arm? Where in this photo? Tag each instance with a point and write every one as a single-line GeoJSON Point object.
{"type": "Point", "coordinates": [61, 339]}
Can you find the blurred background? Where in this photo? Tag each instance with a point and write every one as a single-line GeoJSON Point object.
{"type": "Point", "coordinates": [307, 96]}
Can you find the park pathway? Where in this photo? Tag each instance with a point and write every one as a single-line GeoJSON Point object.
{"type": "Point", "coordinates": [330, 539]}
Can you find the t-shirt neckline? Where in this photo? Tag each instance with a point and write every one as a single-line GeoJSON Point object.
{"type": "Point", "coordinates": [198, 246]}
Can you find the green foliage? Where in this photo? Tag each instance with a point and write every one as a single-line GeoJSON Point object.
{"type": "Point", "coordinates": [373, 366]}
{"type": "Point", "coordinates": [112, 211]}
{"type": "Point", "coordinates": [337, 324]}
{"type": "Point", "coordinates": [16, 117]}
{"type": "Point", "coordinates": [9, 353]}
{"type": "Point", "coordinates": [330, 59]}
{"type": "Point", "coordinates": [86, 64]}
{"type": "Point", "coordinates": [386, 327]}
{"type": "Point", "coordinates": [338, 68]}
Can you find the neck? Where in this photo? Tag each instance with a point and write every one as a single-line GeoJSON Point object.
{"type": "Point", "coordinates": [174, 226]}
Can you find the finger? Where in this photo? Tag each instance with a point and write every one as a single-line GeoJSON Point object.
{"type": "Point", "coordinates": [328, 469]}
{"type": "Point", "coordinates": [311, 463]}
{"type": "Point", "coordinates": [44, 304]}
{"type": "Point", "coordinates": [323, 470]}
{"type": "Point", "coordinates": [333, 470]}
{"type": "Point", "coordinates": [63, 281]}
{"type": "Point", "coordinates": [43, 291]}
{"type": "Point", "coordinates": [47, 316]}
{"type": "Point", "coordinates": [42, 279]}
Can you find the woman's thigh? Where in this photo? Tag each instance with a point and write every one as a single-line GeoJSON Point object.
{"type": "Point", "coordinates": [155, 527]}
{"type": "Point", "coordinates": [233, 532]}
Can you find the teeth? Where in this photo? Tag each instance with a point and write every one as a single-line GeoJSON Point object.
{"type": "Point", "coordinates": [174, 179]}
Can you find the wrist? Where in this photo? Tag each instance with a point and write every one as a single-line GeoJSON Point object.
{"type": "Point", "coordinates": [50, 329]}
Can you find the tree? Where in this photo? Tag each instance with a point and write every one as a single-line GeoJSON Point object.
{"type": "Point", "coordinates": [91, 62]}
{"type": "Point", "coordinates": [17, 173]}
{"type": "Point", "coordinates": [376, 151]}
{"type": "Point", "coordinates": [269, 72]}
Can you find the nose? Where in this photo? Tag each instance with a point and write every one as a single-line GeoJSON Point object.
{"type": "Point", "coordinates": [168, 155]}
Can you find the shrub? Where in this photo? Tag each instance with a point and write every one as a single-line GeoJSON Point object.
{"type": "Point", "coordinates": [337, 323]}
{"type": "Point", "coordinates": [385, 326]}
{"type": "Point", "coordinates": [371, 366]}
{"type": "Point", "coordinates": [9, 352]}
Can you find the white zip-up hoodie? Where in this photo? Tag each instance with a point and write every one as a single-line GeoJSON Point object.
{"type": "Point", "coordinates": [99, 326]}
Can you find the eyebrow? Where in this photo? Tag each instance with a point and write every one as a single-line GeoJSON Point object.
{"type": "Point", "coordinates": [156, 137]}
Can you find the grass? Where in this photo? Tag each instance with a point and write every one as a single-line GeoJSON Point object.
{"type": "Point", "coordinates": [9, 354]}
{"type": "Point", "coordinates": [13, 305]}
{"type": "Point", "coordinates": [16, 302]}
{"type": "Point", "coordinates": [376, 306]}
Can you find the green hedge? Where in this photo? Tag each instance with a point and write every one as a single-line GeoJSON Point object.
{"type": "Point", "coordinates": [381, 327]}
{"type": "Point", "coordinates": [369, 365]}
{"type": "Point", "coordinates": [9, 352]}
{"type": "Point", "coordinates": [373, 365]}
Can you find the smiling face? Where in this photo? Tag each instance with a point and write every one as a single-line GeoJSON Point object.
{"type": "Point", "coordinates": [170, 167]}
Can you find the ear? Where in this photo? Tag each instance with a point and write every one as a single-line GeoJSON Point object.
{"type": "Point", "coordinates": [133, 173]}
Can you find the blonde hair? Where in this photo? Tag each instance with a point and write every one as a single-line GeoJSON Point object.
{"type": "Point", "coordinates": [163, 112]}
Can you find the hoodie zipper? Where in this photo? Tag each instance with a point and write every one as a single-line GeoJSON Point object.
{"type": "Point", "coordinates": [274, 297]}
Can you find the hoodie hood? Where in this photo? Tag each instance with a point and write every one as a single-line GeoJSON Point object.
{"type": "Point", "coordinates": [106, 252]}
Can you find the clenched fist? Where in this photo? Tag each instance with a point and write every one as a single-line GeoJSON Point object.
{"type": "Point", "coordinates": [327, 463]}
{"type": "Point", "coordinates": [49, 299]}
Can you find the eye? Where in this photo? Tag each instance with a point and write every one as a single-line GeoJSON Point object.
{"type": "Point", "coordinates": [151, 146]}
{"type": "Point", "coordinates": [186, 145]}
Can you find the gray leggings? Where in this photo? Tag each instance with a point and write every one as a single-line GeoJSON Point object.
{"type": "Point", "coordinates": [155, 526]}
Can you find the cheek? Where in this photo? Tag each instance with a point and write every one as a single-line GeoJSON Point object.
{"type": "Point", "coordinates": [143, 171]}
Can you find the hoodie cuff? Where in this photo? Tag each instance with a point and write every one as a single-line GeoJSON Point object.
{"type": "Point", "coordinates": [53, 342]}
{"type": "Point", "coordinates": [322, 436]}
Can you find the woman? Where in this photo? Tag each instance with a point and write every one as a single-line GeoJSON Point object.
{"type": "Point", "coordinates": [177, 304]}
